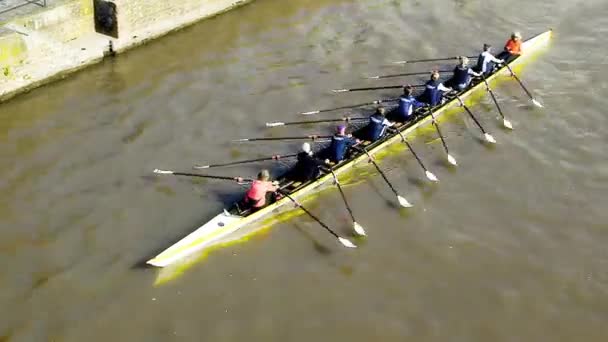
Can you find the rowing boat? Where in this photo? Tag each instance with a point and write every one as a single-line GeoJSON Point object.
{"type": "Point", "coordinates": [226, 225]}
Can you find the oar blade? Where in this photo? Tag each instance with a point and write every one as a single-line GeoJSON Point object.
{"type": "Point", "coordinates": [359, 229]}
{"type": "Point", "coordinates": [452, 160]}
{"type": "Point", "coordinates": [431, 176]}
{"type": "Point", "coordinates": [346, 242]}
{"type": "Point", "coordinates": [507, 124]}
{"type": "Point", "coordinates": [537, 103]}
{"type": "Point", "coordinates": [403, 202]}
{"type": "Point", "coordinates": [490, 138]}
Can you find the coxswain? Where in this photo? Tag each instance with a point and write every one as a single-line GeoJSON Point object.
{"type": "Point", "coordinates": [261, 191]}
{"type": "Point", "coordinates": [512, 48]}
{"type": "Point", "coordinates": [308, 166]}
{"type": "Point", "coordinates": [407, 104]}
{"type": "Point", "coordinates": [486, 61]}
{"type": "Point", "coordinates": [462, 75]}
{"type": "Point", "coordinates": [433, 90]}
{"type": "Point", "coordinates": [377, 125]}
{"type": "Point", "coordinates": [340, 144]}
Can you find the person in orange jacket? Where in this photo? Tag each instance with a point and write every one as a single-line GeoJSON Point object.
{"type": "Point", "coordinates": [512, 48]}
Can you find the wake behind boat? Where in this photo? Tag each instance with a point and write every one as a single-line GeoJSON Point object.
{"type": "Point", "coordinates": [230, 224]}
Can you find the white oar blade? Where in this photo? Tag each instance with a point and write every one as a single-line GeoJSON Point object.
{"type": "Point", "coordinates": [346, 243]}
{"type": "Point", "coordinates": [339, 90]}
{"type": "Point", "coordinates": [358, 229]}
{"type": "Point", "coordinates": [431, 176]}
{"type": "Point", "coordinates": [312, 112]}
{"type": "Point", "coordinates": [490, 138]}
{"type": "Point", "coordinates": [507, 123]}
{"type": "Point", "coordinates": [452, 160]}
{"type": "Point", "coordinates": [163, 172]}
{"type": "Point", "coordinates": [274, 124]}
{"type": "Point", "coordinates": [536, 103]}
{"type": "Point", "coordinates": [403, 202]}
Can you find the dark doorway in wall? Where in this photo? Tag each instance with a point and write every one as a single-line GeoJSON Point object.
{"type": "Point", "coordinates": [105, 18]}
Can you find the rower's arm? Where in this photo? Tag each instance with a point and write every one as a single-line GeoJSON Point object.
{"type": "Point", "coordinates": [441, 87]}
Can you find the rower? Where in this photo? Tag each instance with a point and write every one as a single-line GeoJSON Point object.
{"type": "Point", "coordinates": [407, 105]}
{"type": "Point", "coordinates": [377, 125]}
{"type": "Point", "coordinates": [462, 75]}
{"type": "Point", "coordinates": [340, 143]}
{"type": "Point", "coordinates": [261, 192]}
{"type": "Point", "coordinates": [486, 61]}
{"type": "Point", "coordinates": [307, 167]}
{"type": "Point", "coordinates": [433, 90]}
{"type": "Point", "coordinates": [512, 48]}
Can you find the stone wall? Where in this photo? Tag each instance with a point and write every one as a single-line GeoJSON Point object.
{"type": "Point", "coordinates": [48, 43]}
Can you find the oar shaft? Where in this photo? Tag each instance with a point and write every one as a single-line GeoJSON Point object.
{"type": "Point", "coordinates": [321, 121]}
{"type": "Point", "coordinates": [381, 173]}
{"type": "Point", "coordinates": [343, 195]}
{"type": "Point", "coordinates": [311, 137]}
{"type": "Point", "coordinates": [375, 88]}
{"type": "Point", "coordinates": [520, 82]}
{"type": "Point", "coordinates": [209, 176]}
{"type": "Point", "coordinates": [405, 74]}
{"type": "Point", "coordinates": [434, 121]}
{"type": "Point", "coordinates": [415, 154]}
{"type": "Point", "coordinates": [430, 60]}
{"type": "Point", "coordinates": [311, 215]}
{"type": "Point", "coordinates": [276, 157]}
{"type": "Point", "coordinates": [348, 107]}
{"type": "Point", "coordinates": [466, 108]}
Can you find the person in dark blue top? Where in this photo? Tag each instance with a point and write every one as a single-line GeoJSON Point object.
{"type": "Point", "coordinates": [377, 125]}
{"type": "Point", "coordinates": [433, 90]}
{"type": "Point", "coordinates": [340, 144]}
{"type": "Point", "coordinates": [407, 105]}
{"type": "Point", "coordinates": [462, 75]}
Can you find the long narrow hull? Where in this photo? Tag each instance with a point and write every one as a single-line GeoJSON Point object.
{"type": "Point", "coordinates": [226, 226]}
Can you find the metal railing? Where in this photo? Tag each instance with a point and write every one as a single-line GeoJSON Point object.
{"type": "Point", "coordinates": [9, 5]}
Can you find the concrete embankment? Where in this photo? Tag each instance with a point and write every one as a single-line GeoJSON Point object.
{"type": "Point", "coordinates": [43, 44]}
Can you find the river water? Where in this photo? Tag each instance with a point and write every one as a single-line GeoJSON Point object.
{"type": "Point", "coordinates": [509, 246]}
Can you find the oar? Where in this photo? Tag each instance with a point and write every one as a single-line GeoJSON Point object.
{"type": "Point", "coordinates": [488, 136]}
{"type": "Point", "coordinates": [428, 173]}
{"type": "Point", "coordinates": [346, 118]}
{"type": "Point", "coordinates": [342, 240]}
{"type": "Point", "coordinates": [169, 172]}
{"type": "Point", "coordinates": [429, 60]}
{"type": "Point", "coordinates": [402, 201]}
{"type": "Point", "coordinates": [312, 112]}
{"type": "Point", "coordinates": [357, 227]}
{"type": "Point", "coordinates": [374, 88]}
{"type": "Point", "coordinates": [451, 159]}
{"type": "Point", "coordinates": [277, 157]}
{"type": "Point", "coordinates": [403, 74]}
{"type": "Point", "coordinates": [306, 137]}
{"type": "Point", "coordinates": [505, 122]}
{"type": "Point", "coordinates": [535, 101]}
